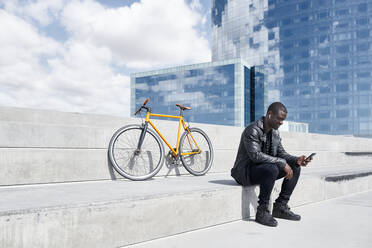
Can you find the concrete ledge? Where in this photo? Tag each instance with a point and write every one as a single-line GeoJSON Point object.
{"type": "Point", "coordinates": [117, 213]}
{"type": "Point", "coordinates": [55, 165]}
{"type": "Point", "coordinates": [41, 146]}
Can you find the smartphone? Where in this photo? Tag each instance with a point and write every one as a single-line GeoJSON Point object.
{"type": "Point", "coordinates": [310, 156]}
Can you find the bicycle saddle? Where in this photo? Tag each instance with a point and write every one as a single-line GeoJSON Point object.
{"type": "Point", "coordinates": [182, 107]}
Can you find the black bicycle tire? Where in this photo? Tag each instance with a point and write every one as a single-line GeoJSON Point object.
{"type": "Point", "coordinates": [118, 167]}
{"type": "Point", "coordinates": [187, 167]}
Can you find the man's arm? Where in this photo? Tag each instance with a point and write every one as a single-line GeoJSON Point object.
{"type": "Point", "coordinates": [253, 147]}
{"type": "Point", "coordinates": [292, 160]}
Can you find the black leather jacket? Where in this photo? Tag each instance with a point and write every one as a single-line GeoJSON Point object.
{"type": "Point", "coordinates": [251, 152]}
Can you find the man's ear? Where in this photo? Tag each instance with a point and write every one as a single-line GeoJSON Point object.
{"type": "Point", "coordinates": [269, 114]}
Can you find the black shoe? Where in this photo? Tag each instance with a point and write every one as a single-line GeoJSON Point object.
{"type": "Point", "coordinates": [282, 211]}
{"type": "Point", "coordinates": [264, 217]}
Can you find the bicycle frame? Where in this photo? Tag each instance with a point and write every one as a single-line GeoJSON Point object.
{"type": "Point", "coordinates": [182, 123]}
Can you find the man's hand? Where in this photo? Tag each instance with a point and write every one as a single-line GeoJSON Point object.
{"type": "Point", "coordinates": [302, 160]}
{"type": "Point", "coordinates": [288, 171]}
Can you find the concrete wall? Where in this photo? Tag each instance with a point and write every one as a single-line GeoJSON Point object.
{"type": "Point", "coordinates": [40, 146]}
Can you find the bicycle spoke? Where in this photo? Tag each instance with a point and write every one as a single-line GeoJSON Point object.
{"type": "Point", "coordinates": [197, 163]}
{"type": "Point", "coordinates": [132, 163]}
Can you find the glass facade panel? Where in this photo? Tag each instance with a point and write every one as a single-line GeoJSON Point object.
{"type": "Point", "coordinates": [317, 55]}
{"type": "Point", "coordinates": [219, 93]}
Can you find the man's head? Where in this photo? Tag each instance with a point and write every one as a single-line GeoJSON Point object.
{"type": "Point", "coordinates": [275, 115]}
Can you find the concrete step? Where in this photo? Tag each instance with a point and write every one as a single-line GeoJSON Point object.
{"type": "Point", "coordinates": [55, 165]}
{"type": "Point", "coordinates": [37, 116]}
{"type": "Point", "coordinates": [323, 224]}
{"type": "Point", "coordinates": [118, 213]}
{"type": "Point", "coordinates": [42, 146]}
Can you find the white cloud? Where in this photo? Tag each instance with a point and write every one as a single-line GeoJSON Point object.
{"type": "Point", "coordinates": [144, 35]}
{"type": "Point", "coordinates": [42, 12]}
{"type": "Point", "coordinates": [39, 72]}
{"type": "Point", "coordinates": [195, 4]}
{"type": "Point", "coordinates": [80, 74]}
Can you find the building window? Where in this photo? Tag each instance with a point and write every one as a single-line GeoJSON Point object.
{"type": "Point", "coordinates": [364, 86]}
{"type": "Point", "coordinates": [323, 38]}
{"type": "Point", "coordinates": [342, 12]}
{"type": "Point", "coordinates": [342, 62]}
{"type": "Point", "coordinates": [324, 76]}
{"type": "Point", "coordinates": [324, 115]}
{"type": "Point", "coordinates": [271, 36]}
{"type": "Point", "coordinates": [342, 49]}
{"type": "Point", "coordinates": [363, 47]}
{"type": "Point", "coordinates": [342, 75]}
{"type": "Point", "coordinates": [305, 116]}
{"type": "Point", "coordinates": [325, 127]}
{"type": "Point", "coordinates": [256, 28]}
{"type": "Point", "coordinates": [288, 33]}
{"type": "Point", "coordinates": [342, 113]}
{"type": "Point", "coordinates": [363, 60]}
{"type": "Point", "coordinates": [287, 57]}
{"type": "Point", "coordinates": [304, 66]}
{"type": "Point", "coordinates": [363, 100]}
{"type": "Point", "coordinates": [342, 127]}
{"type": "Point", "coordinates": [362, 7]}
{"type": "Point", "coordinates": [364, 112]}
{"type": "Point", "coordinates": [305, 78]}
{"type": "Point", "coordinates": [304, 5]}
{"type": "Point", "coordinates": [342, 100]}
{"type": "Point", "coordinates": [362, 21]}
{"type": "Point", "coordinates": [324, 101]}
{"type": "Point", "coordinates": [342, 87]}
{"type": "Point", "coordinates": [289, 81]}
{"type": "Point", "coordinates": [288, 45]}
{"type": "Point", "coordinates": [323, 63]}
{"type": "Point", "coordinates": [323, 15]}
{"type": "Point", "coordinates": [325, 89]}
{"type": "Point", "coordinates": [342, 26]}
{"type": "Point", "coordinates": [363, 74]}
{"type": "Point", "coordinates": [361, 34]}
{"type": "Point", "coordinates": [286, 21]}
{"type": "Point", "coordinates": [304, 42]}
{"type": "Point", "coordinates": [288, 68]}
{"type": "Point", "coordinates": [288, 93]}
{"type": "Point", "coordinates": [305, 54]}
{"type": "Point", "coordinates": [324, 51]}
{"type": "Point", "coordinates": [305, 92]}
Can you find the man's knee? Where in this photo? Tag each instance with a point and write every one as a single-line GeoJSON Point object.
{"type": "Point", "coordinates": [271, 170]}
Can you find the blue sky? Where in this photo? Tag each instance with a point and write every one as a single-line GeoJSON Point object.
{"type": "Point", "coordinates": [76, 55]}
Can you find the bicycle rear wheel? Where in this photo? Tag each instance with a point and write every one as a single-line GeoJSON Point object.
{"type": "Point", "coordinates": [197, 164]}
{"type": "Point", "coordinates": [133, 164]}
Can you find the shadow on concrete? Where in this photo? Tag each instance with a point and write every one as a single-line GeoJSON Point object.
{"type": "Point", "coordinates": [225, 182]}
{"type": "Point", "coordinates": [172, 164]}
{"type": "Point", "coordinates": [111, 168]}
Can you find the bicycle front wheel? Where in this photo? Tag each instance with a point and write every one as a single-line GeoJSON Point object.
{"type": "Point", "coordinates": [132, 163]}
{"type": "Point", "coordinates": [196, 151]}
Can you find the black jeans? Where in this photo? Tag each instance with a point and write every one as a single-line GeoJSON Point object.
{"type": "Point", "coordinates": [266, 174]}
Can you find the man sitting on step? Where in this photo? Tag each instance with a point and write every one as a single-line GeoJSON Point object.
{"type": "Point", "coordinates": [261, 159]}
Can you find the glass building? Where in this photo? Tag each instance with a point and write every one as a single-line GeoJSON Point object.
{"type": "Point", "coordinates": [317, 54]}
{"type": "Point", "coordinates": [225, 92]}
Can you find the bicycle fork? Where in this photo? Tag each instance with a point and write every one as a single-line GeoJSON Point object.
{"type": "Point", "coordinates": [142, 137]}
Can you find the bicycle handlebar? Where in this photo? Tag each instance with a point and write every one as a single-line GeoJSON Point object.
{"type": "Point", "coordinates": [143, 106]}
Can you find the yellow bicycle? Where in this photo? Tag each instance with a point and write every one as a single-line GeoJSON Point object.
{"type": "Point", "coordinates": [137, 153]}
